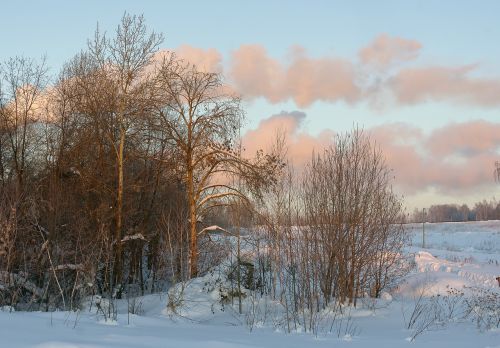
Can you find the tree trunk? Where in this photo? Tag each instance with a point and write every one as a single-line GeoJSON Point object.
{"type": "Point", "coordinates": [119, 208]}
{"type": "Point", "coordinates": [193, 235]}
{"type": "Point", "coordinates": [193, 245]}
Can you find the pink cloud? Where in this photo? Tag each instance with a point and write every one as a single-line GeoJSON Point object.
{"type": "Point", "coordinates": [465, 139]}
{"type": "Point", "coordinates": [387, 50]}
{"type": "Point", "coordinates": [399, 143]}
{"type": "Point", "coordinates": [411, 86]}
{"type": "Point", "coordinates": [418, 161]}
{"type": "Point", "coordinates": [255, 74]}
{"type": "Point", "coordinates": [456, 157]}
{"type": "Point", "coordinates": [304, 79]}
{"type": "Point", "coordinates": [209, 60]}
{"type": "Point", "coordinates": [251, 72]}
{"type": "Point", "coordinates": [300, 144]}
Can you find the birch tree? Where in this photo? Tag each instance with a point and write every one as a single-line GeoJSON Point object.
{"type": "Point", "coordinates": [114, 89]}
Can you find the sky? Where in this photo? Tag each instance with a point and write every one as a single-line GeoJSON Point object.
{"type": "Point", "coordinates": [422, 78]}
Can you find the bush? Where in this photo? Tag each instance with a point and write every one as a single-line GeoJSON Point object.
{"type": "Point", "coordinates": [483, 306]}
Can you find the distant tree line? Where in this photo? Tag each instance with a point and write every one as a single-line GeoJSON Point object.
{"type": "Point", "coordinates": [481, 211]}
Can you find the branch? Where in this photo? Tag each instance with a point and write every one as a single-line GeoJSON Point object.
{"type": "Point", "coordinates": [214, 228]}
{"type": "Point", "coordinates": [221, 195]}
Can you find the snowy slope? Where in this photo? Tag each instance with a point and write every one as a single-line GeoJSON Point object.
{"type": "Point", "coordinates": [458, 255]}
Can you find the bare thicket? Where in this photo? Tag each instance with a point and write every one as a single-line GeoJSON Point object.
{"type": "Point", "coordinates": [114, 172]}
{"type": "Point", "coordinates": [483, 308]}
{"type": "Point", "coordinates": [333, 233]}
{"type": "Point", "coordinates": [110, 173]}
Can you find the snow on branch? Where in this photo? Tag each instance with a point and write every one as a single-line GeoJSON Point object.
{"type": "Point", "coordinates": [9, 279]}
{"type": "Point", "coordinates": [215, 228]}
{"type": "Point", "coordinates": [137, 236]}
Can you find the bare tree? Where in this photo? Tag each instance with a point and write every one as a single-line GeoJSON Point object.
{"type": "Point", "coordinates": [203, 122]}
{"type": "Point", "coordinates": [22, 81]}
{"type": "Point", "coordinates": [349, 203]}
{"type": "Point", "coordinates": [82, 194]}
{"type": "Point", "coordinates": [114, 90]}
{"type": "Point", "coordinates": [333, 233]}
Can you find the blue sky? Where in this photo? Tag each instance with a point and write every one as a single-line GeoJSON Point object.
{"type": "Point", "coordinates": [451, 34]}
{"type": "Point", "coordinates": [451, 30]}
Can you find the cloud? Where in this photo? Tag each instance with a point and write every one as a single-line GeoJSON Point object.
{"type": "Point", "coordinates": [438, 83]}
{"type": "Point", "coordinates": [300, 143]}
{"type": "Point", "coordinates": [399, 143]}
{"type": "Point", "coordinates": [251, 72]}
{"type": "Point", "coordinates": [387, 50]}
{"type": "Point", "coordinates": [465, 139]}
{"type": "Point", "coordinates": [419, 161]}
{"type": "Point", "coordinates": [303, 79]}
{"type": "Point", "coordinates": [453, 158]}
{"type": "Point", "coordinates": [209, 60]}
{"type": "Point", "coordinates": [255, 74]}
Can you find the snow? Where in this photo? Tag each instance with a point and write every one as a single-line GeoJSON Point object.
{"type": "Point", "coordinates": [215, 228]}
{"type": "Point", "coordinates": [137, 236]}
{"type": "Point", "coordinates": [457, 255]}
{"type": "Point", "coordinates": [11, 278]}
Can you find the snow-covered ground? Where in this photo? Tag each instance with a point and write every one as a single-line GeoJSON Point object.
{"type": "Point", "coordinates": [456, 255]}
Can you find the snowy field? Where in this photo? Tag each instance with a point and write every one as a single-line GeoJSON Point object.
{"type": "Point", "coordinates": [461, 256]}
